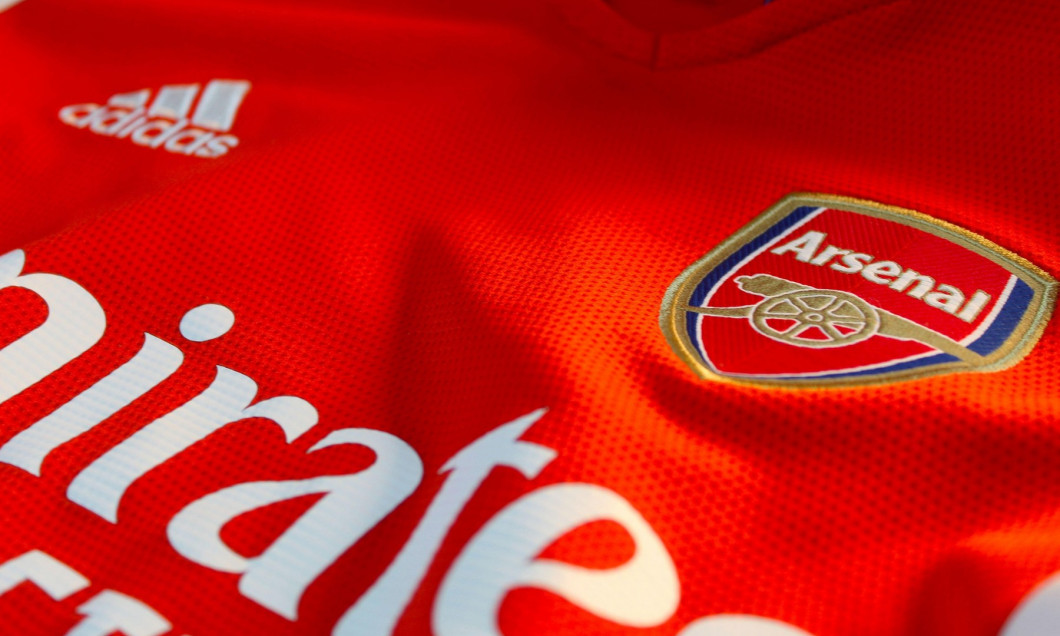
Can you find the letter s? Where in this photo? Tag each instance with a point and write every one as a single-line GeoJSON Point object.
{"type": "Point", "coordinates": [218, 146]}
{"type": "Point", "coordinates": [853, 263]}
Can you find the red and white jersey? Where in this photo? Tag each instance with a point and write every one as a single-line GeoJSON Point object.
{"type": "Point", "coordinates": [526, 317]}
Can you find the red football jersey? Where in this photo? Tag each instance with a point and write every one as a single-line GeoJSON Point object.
{"type": "Point", "coordinates": [574, 317]}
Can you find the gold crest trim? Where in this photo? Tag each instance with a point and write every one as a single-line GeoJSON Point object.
{"type": "Point", "coordinates": [1026, 334]}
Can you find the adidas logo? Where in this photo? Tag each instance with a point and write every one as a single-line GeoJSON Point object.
{"type": "Point", "coordinates": [165, 123]}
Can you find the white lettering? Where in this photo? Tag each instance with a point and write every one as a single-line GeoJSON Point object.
{"type": "Point", "coordinates": [740, 625]}
{"type": "Point", "coordinates": [207, 322]}
{"type": "Point", "coordinates": [155, 362]}
{"type": "Point", "coordinates": [113, 120]}
{"type": "Point", "coordinates": [106, 613]}
{"type": "Point", "coordinates": [828, 254]}
{"type": "Point", "coordinates": [57, 579]}
{"type": "Point", "coordinates": [101, 485]}
{"type": "Point", "coordinates": [881, 272]}
{"type": "Point", "coordinates": [75, 323]}
{"type": "Point", "coordinates": [947, 298]}
{"type": "Point", "coordinates": [1038, 614]}
{"type": "Point", "coordinates": [852, 263]}
{"type": "Point", "coordinates": [78, 115]}
{"type": "Point", "coordinates": [188, 141]}
{"type": "Point", "coordinates": [352, 505]}
{"type": "Point", "coordinates": [643, 592]}
{"type": "Point", "coordinates": [377, 612]}
{"type": "Point", "coordinates": [924, 284]}
{"type": "Point", "coordinates": [156, 132]}
{"type": "Point", "coordinates": [109, 612]}
{"type": "Point", "coordinates": [216, 147]}
{"type": "Point", "coordinates": [975, 306]}
{"type": "Point", "coordinates": [804, 247]}
{"type": "Point", "coordinates": [128, 130]}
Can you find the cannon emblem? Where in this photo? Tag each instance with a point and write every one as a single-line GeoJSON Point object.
{"type": "Point", "coordinates": [791, 312]}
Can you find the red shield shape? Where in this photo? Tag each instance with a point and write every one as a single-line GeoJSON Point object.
{"type": "Point", "coordinates": [824, 291]}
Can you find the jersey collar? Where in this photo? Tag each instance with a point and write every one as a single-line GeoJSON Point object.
{"type": "Point", "coordinates": [773, 22]}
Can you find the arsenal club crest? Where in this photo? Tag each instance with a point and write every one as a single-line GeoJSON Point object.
{"type": "Point", "coordinates": [830, 291]}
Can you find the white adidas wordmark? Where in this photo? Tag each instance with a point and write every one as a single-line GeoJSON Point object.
{"type": "Point", "coordinates": [164, 123]}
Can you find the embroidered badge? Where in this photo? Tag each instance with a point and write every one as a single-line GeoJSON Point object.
{"type": "Point", "coordinates": [829, 291]}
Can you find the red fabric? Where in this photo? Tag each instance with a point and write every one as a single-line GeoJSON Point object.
{"type": "Point", "coordinates": [441, 216]}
